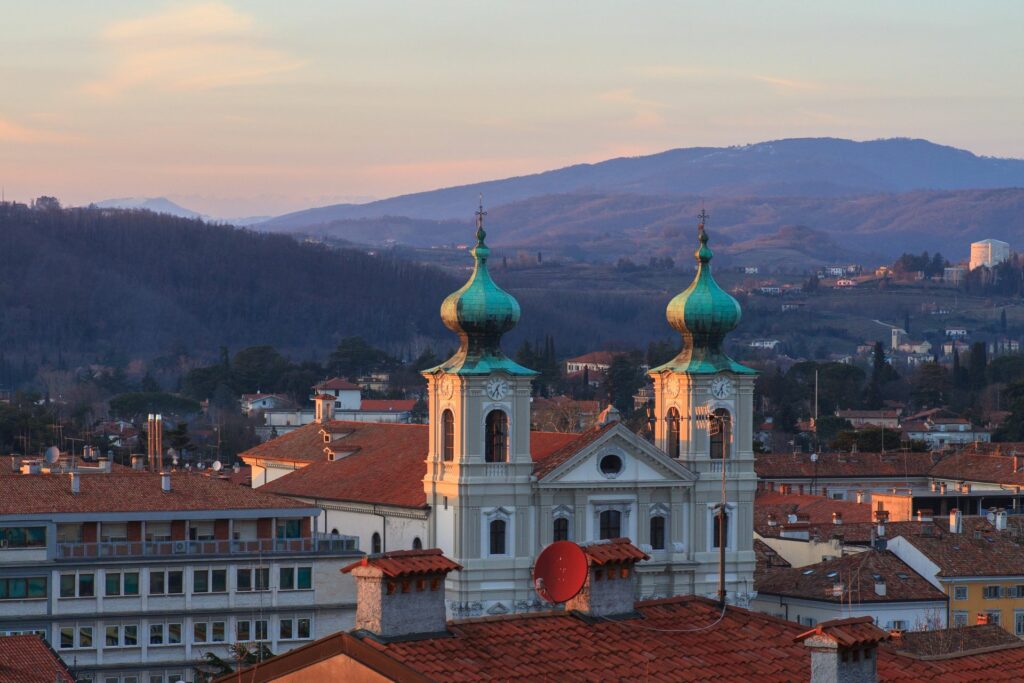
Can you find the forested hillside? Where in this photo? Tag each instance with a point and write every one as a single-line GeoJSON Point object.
{"type": "Point", "coordinates": [80, 286]}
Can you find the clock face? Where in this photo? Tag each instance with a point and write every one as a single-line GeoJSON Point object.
{"type": "Point", "coordinates": [721, 387]}
{"type": "Point", "coordinates": [497, 389]}
{"type": "Point", "coordinates": [447, 387]}
{"type": "Point", "coordinates": [672, 386]}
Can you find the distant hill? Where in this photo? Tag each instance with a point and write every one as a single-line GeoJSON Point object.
{"type": "Point", "coordinates": [606, 226]}
{"type": "Point", "coordinates": [154, 204]}
{"type": "Point", "coordinates": [800, 167]}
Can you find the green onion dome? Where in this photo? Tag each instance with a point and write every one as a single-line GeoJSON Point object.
{"type": "Point", "coordinates": [480, 312]}
{"type": "Point", "coordinates": [703, 314]}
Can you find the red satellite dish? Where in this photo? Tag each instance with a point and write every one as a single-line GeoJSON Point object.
{"type": "Point", "coordinates": [560, 572]}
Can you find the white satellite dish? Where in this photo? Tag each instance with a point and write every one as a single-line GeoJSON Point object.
{"type": "Point", "coordinates": [217, 466]}
{"type": "Point", "coordinates": [52, 455]}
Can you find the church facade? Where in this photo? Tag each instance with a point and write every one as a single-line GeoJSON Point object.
{"type": "Point", "coordinates": [494, 494]}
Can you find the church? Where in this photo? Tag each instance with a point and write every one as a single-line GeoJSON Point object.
{"type": "Point", "coordinates": [477, 483]}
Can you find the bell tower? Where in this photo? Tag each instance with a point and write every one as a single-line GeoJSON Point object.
{"type": "Point", "coordinates": [479, 468]}
{"type": "Point", "coordinates": [704, 418]}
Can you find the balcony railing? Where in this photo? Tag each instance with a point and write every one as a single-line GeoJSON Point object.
{"type": "Point", "coordinates": [319, 543]}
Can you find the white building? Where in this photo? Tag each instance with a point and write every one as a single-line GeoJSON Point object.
{"type": "Point", "coordinates": [135, 576]}
{"type": "Point", "coordinates": [989, 253]}
{"type": "Point", "coordinates": [347, 403]}
{"type": "Point", "coordinates": [478, 484]}
{"type": "Point", "coordinates": [874, 584]}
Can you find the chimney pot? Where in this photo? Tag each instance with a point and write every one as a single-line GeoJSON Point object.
{"type": "Point", "coordinates": [880, 587]}
{"type": "Point", "coordinates": [837, 518]}
{"type": "Point", "coordinates": [76, 483]}
{"type": "Point", "coordinates": [165, 482]}
{"type": "Point", "coordinates": [138, 462]}
{"type": "Point", "coordinates": [955, 521]}
{"type": "Point", "coordinates": [1000, 520]}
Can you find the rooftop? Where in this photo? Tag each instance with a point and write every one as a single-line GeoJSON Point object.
{"type": "Point", "coordinates": [28, 659]}
{"type": "Point", "coordinates": [407, 563]}
{"type": "Point", "coordinates": [384, 462]}
{"type": "Point", "coordinates": [839, 465]}
{"type": "Point", "coordinates": [817, 511]}
{"type": "Point", "coordinates": [130, 492]}
{"type": "Point", "coordinates": [672, 640]}
{"type": "Point", "coordinates": [336, 384]}
{"type": "Point", "coordinates": [857, 573]}
{"type": "Point", "coordinates": [964, 639]}
{"type": "Point", "coordinates": [979, 550]}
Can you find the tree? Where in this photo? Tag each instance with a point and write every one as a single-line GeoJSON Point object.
{"type": "Point", "coordinates": [867, 440]}
{"type": "Point", "coordinates": [1002, 320]}
{"type": "Point", "coordinates": [1012, 428]}
{"type": "Point", "coordinates": [624, 379]}
{"type": "Point", "coordinates": [828, 427]}
{"type": "Point", "coordinates": [353, 357]}
{"type": "Point", "coordinates": [977, 364]}
{"type": "Point", "coordinates": [881, 374]}
{"type": "Point", "coordinates": [930, 386]}
{"type": "Point", "coordinates": [258, 368]}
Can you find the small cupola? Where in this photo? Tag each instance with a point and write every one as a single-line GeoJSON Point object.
{"type": "Point", "coordinates": [703, 314]}
{"type": "Point", "coordinates": [480, 312]}
{"type": "Point", "coordinates": [401, 594]}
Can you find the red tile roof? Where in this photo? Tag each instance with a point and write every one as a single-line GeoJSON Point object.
{"type": "Point", "coordinates": [130, 492]}
{"type": "Point", "coordinates": [992, 553]}
{"type": "Point", "coordinates": [857, 575]}
{"type": "Point", "coordinates": [387, 405]}
{"type": "Point", "coordinates": [674, 640]}
{"type": "Point", "coordinates": [407, 563]}
{"type": "Point", "coordinates": [595, 357]}
{"type": "Point", "coordinates": [833, 465]}
{"type": "Point", "coordinates": [950, 640]}
{"type": "Point", "coordinates": [852, 632]}
{"type": "Point", "coordinates": [557, 448]}
{"type": "Point", "coordinates": [818, 512]}
{"type": "Point", "coordinates": [614, 551]}
{"type": "Point", "coordinates": [28, 659]}
{"type": "Point", "coordinates": [386, 463]}
{"type": "Point", "coordinates": [336, 384]}
{"type": "Point", "coordinates": [767, 560]}
{"type": "Point", "coordinates": [986, 467]}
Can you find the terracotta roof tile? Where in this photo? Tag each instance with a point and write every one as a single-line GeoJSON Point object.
{"type": "Point", "coordinates": [616, 550]}
{"type": "Point", "coordinates": [386, 461]}
{"type": "Point", "coordinates": [979, 550]}
{"type": "Point", "coordinates": [28, 659]}
{"type": "Point", "coordinates": [986, 467]}
{"type": "Point", "coordinates": [946, 641]}
{"type": "Point", "coordinates": [856, 574]}
{"type": "Point", "coordinates": [336, 384]}
{"type": "Point", "coordinates": [387, 405]}
{"type": "Point", "coordinates": [818, 512]}
{"type": "Point", "coordinates": [768, 561]}
{"type": "Point", "coordinates": [799, 465]}
{"type": "Point", "coordinates": [556, 448]}
{"type": "Point", "coordinates": [407, 563]}
{"type": "Point", "coordinates": [130, 492]}
{"type": "Point", "coordinates": [851, 632]}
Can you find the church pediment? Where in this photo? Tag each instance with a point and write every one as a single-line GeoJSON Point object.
{"type": "Point", "coordinates": [618, 457]}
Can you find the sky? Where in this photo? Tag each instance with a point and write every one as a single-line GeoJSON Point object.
{"type": "Point", "coordinates": [263, 107]}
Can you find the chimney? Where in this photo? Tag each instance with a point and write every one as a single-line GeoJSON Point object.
{"type": "Point", "coordinates": [955, 522]}
{"type": "Point", "coordinates": [324, 408]}
{"type": "Point", "coordinates": [76, 483]}
{"type": "Point", "coordinates": [138, 462]}
{"type": "Point", "coordinates": [165, 482]}
{"type": "Point", "coordinates": [881, 517]}
{"type": "Point", "coordinates": [1000, 519]}
{"type": "Point", "coordinates": [860, 496]}
{"type": "Point", "coordinates": [880, 586]}
{"type": "Point", "coordinates": [104, 463]}
{"type": "Point", "coordinates": [844, 650]}
{"type": "Point", "coordinates": [401, 593]}
{"type": "Point", "coordinates": [837, 517]}
{"type": "Point", "coordinates": [772, 520]}
{"type": "Point", "coordinates": [982, 618]}
{"type": "Point", "coordinates": [942, 488]}
{"type": "Point", "coordinates": [611, 579]}
{"type": "Point", "coordinates": [609, 415]}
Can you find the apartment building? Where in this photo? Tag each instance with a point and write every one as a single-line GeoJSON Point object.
{"type": "Point", "coordinates": [134, 576]}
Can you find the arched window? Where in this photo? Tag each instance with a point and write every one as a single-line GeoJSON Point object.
{"type": "Point", "coordinates": [417, 544]}
{"type": "Point", "coordinates": [561, 529]}
{"type": "Point", "coordinates": [658, 532]}
{"type": "Point", "coordinates": [672, 435]}
{"type": "Point", "coordinates": [497, 537]}
{"type": "Point", "coordinates": [496, 447]}
{"type": "Point", "coordinates": [611, 524]}
{"type": "Point", "coordinates": [375, 543]}
{"type": "Point", "coordinates": [447, 436]}
{"type": "Point", "coordinates": [721, 434]}
{"type": "Point", "coordinates": [721, 530]}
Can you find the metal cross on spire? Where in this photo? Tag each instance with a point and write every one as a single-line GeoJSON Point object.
{"type": "Point", "coordinates": [480, 213]}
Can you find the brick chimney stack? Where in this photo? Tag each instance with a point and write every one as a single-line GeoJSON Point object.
{"type": "Point", "coordinates": [401, 593]}
{"type": "Point", "coordinates": [610, 588]}
{"type": "Point", "coordinates": [844, 650]}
